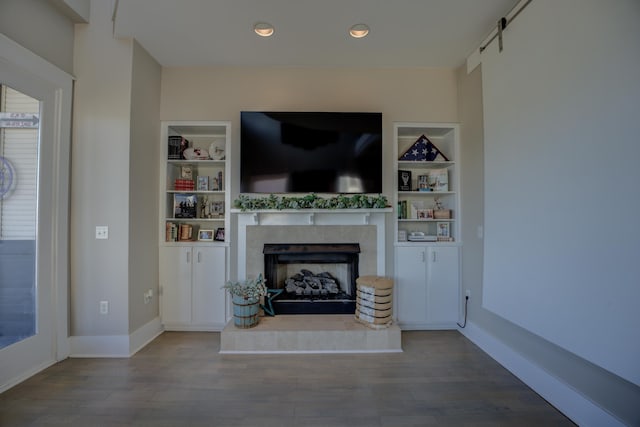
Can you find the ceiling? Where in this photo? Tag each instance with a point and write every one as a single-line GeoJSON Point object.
{"type": "Point", "coordinates": [309, 33]}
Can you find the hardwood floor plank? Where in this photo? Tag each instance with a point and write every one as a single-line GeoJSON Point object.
{"type": "Point", "coordinates": [181, 379]}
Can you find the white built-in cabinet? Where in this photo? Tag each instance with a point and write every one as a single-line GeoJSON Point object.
{"type": "Point", "coordinates": [191, 282]}
{"type": "Point", "coordinates": [427, 272]}
{"type": "Point", "coordinates": [427, 287]}
{"type": "Point", "coordinates": [194, 239]}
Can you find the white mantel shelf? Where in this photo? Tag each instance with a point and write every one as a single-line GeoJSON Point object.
{"type": "Point", "coordinates": [311, 216]}
{"type": "Point", "coordinates": [289, 217]}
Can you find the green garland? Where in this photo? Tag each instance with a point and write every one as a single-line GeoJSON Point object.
{"type": "Point", "coordinates": [311, 201]}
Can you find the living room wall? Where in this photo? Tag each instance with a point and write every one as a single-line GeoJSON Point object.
{"type": "Point", "coordinates": [220, 93]}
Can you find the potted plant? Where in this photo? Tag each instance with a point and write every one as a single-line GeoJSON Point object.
{"type": "Point", "coordinates": [246, 300]}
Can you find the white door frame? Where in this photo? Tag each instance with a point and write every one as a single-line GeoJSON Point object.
{"type": "Point", "coordinates": [15, 57]}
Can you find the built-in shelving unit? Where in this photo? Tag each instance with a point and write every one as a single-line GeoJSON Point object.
{"type": "Point", "coordinates": [194, 224]}
{"type": "Point", "coordinates": [195, 191]}
{"type": "Point", "coordinates": [422, 205]}
{"type": "Point", "coordinates": [427, 202]}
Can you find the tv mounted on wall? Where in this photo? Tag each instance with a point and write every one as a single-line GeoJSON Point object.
{"type": "Point", "coordinates": [310, 152]}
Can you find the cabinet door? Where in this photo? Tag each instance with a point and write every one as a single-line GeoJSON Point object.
{"type": "Point", "coordinates": [410, 285]}
{"type": "Point", "coordinates": [175, 279]}
{"type": "Point", "coordinates": [443, 279]}
{"type": "Point", "coordinates": [209, 274]}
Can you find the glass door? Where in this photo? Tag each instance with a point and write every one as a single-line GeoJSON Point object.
{"type": "Point", "coordinates": [19, 141]}
{"type": "Point", "coordinates": [28, 107]}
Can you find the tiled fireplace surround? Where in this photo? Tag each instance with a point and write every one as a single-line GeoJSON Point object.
{"type": "Point", "coordinates": [257, 228]}
{"type": "Point", "coordinates": [310, 333]}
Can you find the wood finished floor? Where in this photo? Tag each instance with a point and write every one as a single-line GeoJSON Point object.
{"type": "Point", "coordinates": [180, 379]}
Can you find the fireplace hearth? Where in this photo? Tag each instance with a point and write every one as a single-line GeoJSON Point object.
{"type": "Point", "coordinates": [313, 278]}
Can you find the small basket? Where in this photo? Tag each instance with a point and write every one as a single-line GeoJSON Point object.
{"type": "Point", "coordinates": [442, 214]}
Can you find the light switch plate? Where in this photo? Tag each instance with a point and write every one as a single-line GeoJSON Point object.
{"type": "Point", "coordinates": [102, 232]}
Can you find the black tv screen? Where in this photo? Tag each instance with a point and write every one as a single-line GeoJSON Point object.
{"type": "Point", "coordinates": [310, 152]}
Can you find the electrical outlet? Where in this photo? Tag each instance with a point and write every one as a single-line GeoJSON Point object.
{"type": "Point", "coordinates": [104, 307]}
{"type": "Point", "coordinates": [148, 295]}
{"type": "Point", "coordinates": [467, 293]}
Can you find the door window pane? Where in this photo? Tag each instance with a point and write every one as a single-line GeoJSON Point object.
{"type": "Point", "coordinates": [19, 135]}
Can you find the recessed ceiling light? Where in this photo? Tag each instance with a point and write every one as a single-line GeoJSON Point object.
{"type": "Point", "coordinates": [263, 29]}
{"type": "Point", "coordinates": [359, 31]}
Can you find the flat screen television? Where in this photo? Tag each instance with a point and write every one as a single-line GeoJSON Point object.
{"type": "Point", "coordinates": [310, 152]}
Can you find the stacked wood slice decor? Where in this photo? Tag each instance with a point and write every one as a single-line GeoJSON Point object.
{"type": "Point", "coordinates": [374, 301]}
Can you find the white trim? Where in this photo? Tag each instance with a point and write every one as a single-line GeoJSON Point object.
{"type": "Point", "coordinates": [144, 335]}
{"type": "Point", "coordinates": [16, 55]}
{"type": "Point", "coordinates": [565, 398]}
{"type": "Point", "coordinates": [100, 346]}
{"type": "Point", "coordinates": [38, 66]}
{"type": "Point", "coordinates": [115, 345]}
{"type": "Point", "coordinates": [25, 376]}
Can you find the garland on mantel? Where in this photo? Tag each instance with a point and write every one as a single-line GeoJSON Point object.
{"type": "Point", "coordinates": [311, 201]}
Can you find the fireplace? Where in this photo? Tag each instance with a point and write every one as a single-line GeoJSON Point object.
{"type": "Point", "coordinates": [312, 278]}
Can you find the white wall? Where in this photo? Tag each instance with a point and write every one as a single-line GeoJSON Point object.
{"type": "Point", "coordinates": [586, 384]}
{"type": "Point", "coordinates": [100, 177]}
{"type": "Point", "coordinates": [143, 199]}
{"type": "Point", "coordinates": [561, 178]}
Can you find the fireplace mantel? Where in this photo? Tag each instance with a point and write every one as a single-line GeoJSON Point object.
{"type": "Point", "coordinates": [311, 217]}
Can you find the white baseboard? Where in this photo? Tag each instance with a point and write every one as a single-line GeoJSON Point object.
{"type": "Point", "coordinates": [565, 398]}
{"type": "Point", "coordinates": [100, 346]}
{"type": "Point", "coordinates": [25, 376]}
{"type": "Point", "coordinates": [144, 335]}
{"type": "Point", "coordinates": [115, 345]}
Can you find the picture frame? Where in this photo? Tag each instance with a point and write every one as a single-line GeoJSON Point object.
{"type": "Point", "coordinates": [203, 183]}
{"type": "Point", "coordinates": [425, 213]}
{"type": "Point", "coordinates": [205, 235]}
{"type": "Point", "coordinates": [442, 229]}
{"type": "Point", "coordinates": [184, 205]}
{"type": "Point", "coordinates": [219, 236]}
{"type": "Point", "coordinates": [423, 183]}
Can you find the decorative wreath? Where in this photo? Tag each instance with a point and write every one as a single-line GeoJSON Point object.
{"type": "Point", "coordinates": [7, 177]}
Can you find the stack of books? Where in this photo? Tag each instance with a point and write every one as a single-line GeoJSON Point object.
{"type": "Point", "coordinates": [182, 184]}
{"type": "Point", "coordinates": [171, 232]}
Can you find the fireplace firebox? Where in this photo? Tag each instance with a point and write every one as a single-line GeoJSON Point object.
{"type": "Point", "coordinates": [312, 278]}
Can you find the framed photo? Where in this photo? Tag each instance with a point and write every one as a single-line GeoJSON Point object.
{"type": "Point", "coordinates": [205, 235]}
{"type": "Point", "coordinates": [220, 234]}
{"type": "Point", "coordinates": [184, 205]}
{"type": "Point", "coordinates": [424, 213]}
{"type": "Point", "coordinates": [443, 229]}
{"type": "Point", "coordinates": [423, 183]}
{"type": "Point", "coordinates": [203, 183]}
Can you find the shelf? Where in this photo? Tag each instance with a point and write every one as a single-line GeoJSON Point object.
{"type": "Point", "coordinates": [424, 164]}
{"type": "Point", "coordinates": [196, 191]}
{"type": "Point", "coordinates": [444, 136]}
{"type": "Point", "coordinates": [425, 220]}
{"type": "Point", "coordinates": [182, 162]}
{"type": "Point", "coordinates": [210, 178]}
{"type": "Point", "coordinates": [425, 193]}
{"type": "Point", "coordinates": [423, 244]}
{"type": "Point", "coordinates": [194, 219]}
